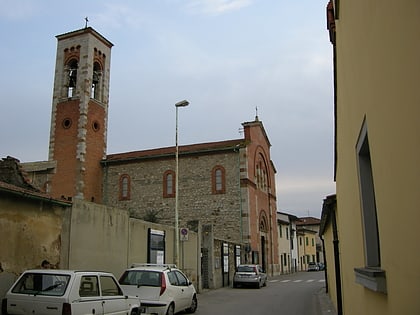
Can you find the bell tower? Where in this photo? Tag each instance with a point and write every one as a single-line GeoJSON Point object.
{"type": "Point", "coordinates": [79, 114]}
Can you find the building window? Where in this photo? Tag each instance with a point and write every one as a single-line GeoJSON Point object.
{"type": "Point", "coordinates": [370, 222]}
{"type": "Point", "coordinates": [371, 276]}
{"type": "Point", "coordinates": [281, 231]}
{"type": "Point", "coordinates": [125, 187]}
{"type": "Point", "coordinates": [66, 123]}
{"type": "Point", "coordinates": [237, 255]}
{"type": "Point", "coordinates": [96, 81]}
{"type": "Point", "coordinates": [263, 222]}
{"type": "Point", "coordinates": [307, 241]}
{"type": "Point", "coordinates": [72, 67]}
{"type": "Point", "coordinates": [261, 174]}
{"type": "Point", "coordinates": [312, 240]}
{"type": "Point", "coordinates": [169, 184]}
{"type": "Point", "coordinates": [287, 233]}
{"type": "Point", "coordinates": [218, 180]}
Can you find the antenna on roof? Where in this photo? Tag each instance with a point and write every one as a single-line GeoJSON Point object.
{"type": "Point", "coordinates": [86, 21]}
{"type": "Point", "coordinates": [256, 113]}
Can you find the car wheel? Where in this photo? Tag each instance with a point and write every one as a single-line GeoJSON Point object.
{"type": "Point", "coordinates": [194, 305]}
{"type": "Point", "coordinates": [171, 309]}
{"type": "Point", "coordinates": [235, 285]}
{"type": "Point", "coordinates": [135, 311]}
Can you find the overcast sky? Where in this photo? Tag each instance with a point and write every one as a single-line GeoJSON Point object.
{"type": "Point", "coordinates": [226, 57]}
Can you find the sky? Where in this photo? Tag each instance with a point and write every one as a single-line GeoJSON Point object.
{"type": "Point", "coordinates": [231, 59]}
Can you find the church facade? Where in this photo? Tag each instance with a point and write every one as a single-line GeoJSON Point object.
{"type": "Point", "coordinates": [227, 187]}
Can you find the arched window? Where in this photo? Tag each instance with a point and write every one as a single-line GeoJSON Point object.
{"type": "Point", "coordinates": [218, 180]}
{"type": "Point", "coordinates": [125, 187]}
{"type": "Point", "coordinates": [263, 222]}
{"type": "Point", "coordinates": [72, 67]}
{"type": "Point", "coordinates": [169, 184]}
{"type": "Point", "coordinates": [96, 80]}
{"type": "Point", "coordinates": [261, 174]}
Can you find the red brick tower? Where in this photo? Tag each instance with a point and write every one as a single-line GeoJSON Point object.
{"type": "Point", "coordinates": [79, 114]}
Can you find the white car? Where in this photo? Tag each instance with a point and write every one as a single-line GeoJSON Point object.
{"type": "Point", "coordinates": [65, 292]}
{"type": "Point", "coordinates": [162, 289]}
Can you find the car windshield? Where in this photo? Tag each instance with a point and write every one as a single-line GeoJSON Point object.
{"type": "Point", "coordinates": [141, 278]}
{"type": "Point", "coordinates": [246, 268]}
{"type": "Point", "coordinates": [42, 284]}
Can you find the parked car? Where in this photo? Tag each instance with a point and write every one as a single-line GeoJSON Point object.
{"type": "Point", "coordinates": [313, 266]}
{"type": "Point", "coordinates": [252, 275]}
{"type": "Point", "coordinates": [66, 292]}
{"type": "Point", "coordinates": [162, 289]}
{"type": "Point", "coordinates": [321, 266]}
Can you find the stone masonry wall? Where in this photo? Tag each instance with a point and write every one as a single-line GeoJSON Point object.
{"type": "Point", "coordinates": [196, 200]}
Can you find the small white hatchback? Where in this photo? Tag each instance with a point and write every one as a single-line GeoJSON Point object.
{"type": "Point", "coordinates": [162, 289]}
{"type": "Point", "coordinates": [67, 292]}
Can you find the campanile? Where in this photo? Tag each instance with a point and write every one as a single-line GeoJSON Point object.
{"type": "Point", "coordinates": [79, 115]}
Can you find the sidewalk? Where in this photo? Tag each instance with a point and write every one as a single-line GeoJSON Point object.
{"type": "Point", "coordinates": [326, 306]}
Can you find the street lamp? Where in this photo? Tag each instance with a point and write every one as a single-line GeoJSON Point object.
{"type": "Point", "coordinates": [183, 103]}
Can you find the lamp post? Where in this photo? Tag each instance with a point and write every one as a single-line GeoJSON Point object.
{"type": "Point", "coordinates": [183, 103]}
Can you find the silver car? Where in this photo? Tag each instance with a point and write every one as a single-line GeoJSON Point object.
{"type": "Point", "coordinates": [312, 266]}
{"type": "Point", "coordinates": [252, 275]}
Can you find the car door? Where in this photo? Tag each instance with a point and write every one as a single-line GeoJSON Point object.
{"type": "Point", "coordinates": [90, 300]}
{"type": "Point", "coordinates": [113, 299]}
{"type": "Point", "coordinates": [175, 291]}
{"type": "Point", "coordinates": [263, 275]}
{"type": "Point", "coordinates": [185, 288]}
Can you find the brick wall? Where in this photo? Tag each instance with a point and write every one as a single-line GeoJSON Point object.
{"type": "Point", "coordinates": [65, 143]}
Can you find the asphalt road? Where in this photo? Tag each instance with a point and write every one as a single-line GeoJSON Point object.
{"type": "Point", "coordinates": [295, 294]}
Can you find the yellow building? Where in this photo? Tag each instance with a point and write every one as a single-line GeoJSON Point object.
{"type": "Point", "coordinates": [376, 47]}
{"type": "Point", "coordinates": [306, 247]}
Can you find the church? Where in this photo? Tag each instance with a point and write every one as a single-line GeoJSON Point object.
{"type": "Point", "coordinates": [225, 188]}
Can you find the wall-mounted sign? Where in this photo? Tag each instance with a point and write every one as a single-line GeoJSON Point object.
{"type": "Point", "coordinates": [183, 234]}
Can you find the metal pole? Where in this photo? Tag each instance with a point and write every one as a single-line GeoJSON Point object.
{"type": "Point", "coordinates": [176, 254]}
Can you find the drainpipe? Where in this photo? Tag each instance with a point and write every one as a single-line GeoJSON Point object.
{"type": "Point", "coordinates": [238, 148]}
{"type": "Point", "coordinates": [105, 183]}
{"type": "Point", "coordinates": [337, 264]}
{"type": "Point", "coordinates": [271, 231]}
{"type": "Point", "coordinates": [297, 251]}
{"type": "Point", "coordinates": [325, 263]}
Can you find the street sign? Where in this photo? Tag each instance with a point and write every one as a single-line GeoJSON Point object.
{"type": "Point", "coordinates": [184, 234]}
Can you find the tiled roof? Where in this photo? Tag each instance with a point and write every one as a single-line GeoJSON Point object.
{"type": "Point", "coordinates": [308, 221]}
{"type": "Point", "coordinates": [14, 180]}
{"type": "Point", "coordinates": [86, 30]}
{"type": "Point", "coordinates": [170, 151]}
{"type": "Point", "coordinates": [11, 172]}
{"type": "Point", "coordinates": [9, 188]}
